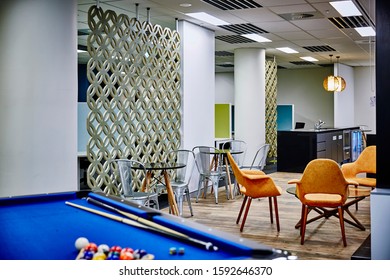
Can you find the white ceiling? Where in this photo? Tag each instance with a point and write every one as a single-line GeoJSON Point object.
{"type": "Point", "coordinates": [280, 19]}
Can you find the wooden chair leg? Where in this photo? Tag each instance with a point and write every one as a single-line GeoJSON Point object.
{"type": "Point", "coordinates": [248, 205]}
{"type": "Point", "coordinates": [270, 210]}
{"type": "Point", "coordinates": [303, 222]}
{"type": "Point", "coordinates": [341, 218]}
{"type": "Point", "coordinates": [241, 209]}
{"type": "Point", "coordinates": [276, 213]}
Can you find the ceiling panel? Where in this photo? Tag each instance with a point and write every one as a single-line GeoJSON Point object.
{"type": "Point", "coordinates": [293, 23]}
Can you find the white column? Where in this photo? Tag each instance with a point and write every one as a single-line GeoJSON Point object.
{"type": "Point", "coordinates": [249, 98]}
{"type": "Point", "coordinates": [38, 96]}
{"type": "Point", "coordinates": [198, 87]}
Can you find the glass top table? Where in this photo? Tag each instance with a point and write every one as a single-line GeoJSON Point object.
{"type": "Point", "coordinates": [163, 167]}
{"type": "Point", "coordinates": [355, 195]}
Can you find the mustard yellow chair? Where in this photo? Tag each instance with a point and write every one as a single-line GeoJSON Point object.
{"type": "Point", "coordinates": [322, 185]}
{"type": "Point", "coordinates": [365, 163]}
{"type": "Point", "coordinates": [255, 184]}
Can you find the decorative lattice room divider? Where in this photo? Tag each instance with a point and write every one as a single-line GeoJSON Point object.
{"type": "Point", "coordinates": [270, 107]}
{"type": "Point", "coordinates": [134, 93]}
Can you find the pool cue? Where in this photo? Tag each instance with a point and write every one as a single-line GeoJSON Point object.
{"type": "Point", "coordinates": [157, 228]}
{"type": "Point", "coordinates": [135, 217]}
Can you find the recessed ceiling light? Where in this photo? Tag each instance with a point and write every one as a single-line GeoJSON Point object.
{"type": "Point", "coordinates": [185, 5]}
{"type": "Point", "coordinates": [346, 8]}
{"type": "Point", "coordinates": [207, 18]}
{"type": "Point", "coordinates": [287, 50]}
{"type": "Point", "coordinates": [256, 37]}
{"type": "Point", "coordinates": [365, 31]}
{"type": "Point", "coordinates": [308, 58]}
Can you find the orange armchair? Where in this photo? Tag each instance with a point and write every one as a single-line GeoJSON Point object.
{"type": "Point", "coordinates": [365, 163]}
{"type": "Point", "coordinates": [255, 184]}
{"type": "Point", "coordinates": [322, 186]}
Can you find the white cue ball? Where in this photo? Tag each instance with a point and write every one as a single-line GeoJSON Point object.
{"type": "Point", "coordinates": [81, 242]}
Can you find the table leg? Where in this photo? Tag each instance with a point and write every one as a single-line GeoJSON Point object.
{"type": "Point", "coordinates": [228, 177]}
{"type": "Point", "coordinates": [171, 195]}
{"type": "Point", "coordinates": [325, 213]}
{"type": "Point", "coordinates": [146, 182]}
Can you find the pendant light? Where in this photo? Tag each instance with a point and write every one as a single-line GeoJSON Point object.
{"type": "Point", "coordinates": [342, 84]}
{"type": "Point", "coordinates": [331, 82]}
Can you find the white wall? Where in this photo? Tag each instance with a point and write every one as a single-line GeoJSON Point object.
{"type": "Point", "coordinates": [344, 112]}
{"type": "Point", "coordinates": [303, 88]}
{"type": "Point", "coordinates": [198, 87]}
{"type": "Point", "coordinates": [365, 106]}
{"type": "Point", "coordinates": [224, 88]}
{"type": "Point", "coordinates": [38, 96]}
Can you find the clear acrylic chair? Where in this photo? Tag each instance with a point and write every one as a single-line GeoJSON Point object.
{"type": "Point", "coordinates": [127, 169]}
{"type": "Point", "coordinates": [208, 163]}
{"type": "Point", "coordinates": [181, 177]}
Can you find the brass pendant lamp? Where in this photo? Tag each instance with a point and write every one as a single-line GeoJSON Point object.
{"type": "Point", "coordinates": [334, 83]}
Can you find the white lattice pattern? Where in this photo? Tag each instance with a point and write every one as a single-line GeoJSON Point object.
{"type": "Point", "coordinates": [270, 107]}
{"type": "Point", "coordinates": [134, 93]}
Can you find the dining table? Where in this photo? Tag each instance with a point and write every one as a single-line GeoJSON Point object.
{"type": "Point", "coordinates": [156, 170]}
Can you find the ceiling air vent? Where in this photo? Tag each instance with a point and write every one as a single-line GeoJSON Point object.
{"type": "Point", "coordinates": [302, 63]}
{"type": "Point", "coordinates": [349, 22]}
{"type": "Point", "coordinates": [226, 65]}
{"type": "Point", "coordinates": [234, 39]}
{"type": "Point", "coordinates": [244, 28]}
{"type": "Point", "coordinates": [233, 4]}
{"type": "Point", "coordinates": [319, 48]}
{"type": "Point", "coordinates": [223, 53]}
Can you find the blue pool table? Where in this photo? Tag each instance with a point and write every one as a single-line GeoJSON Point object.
{"type": "Point", "coordinates": [44, 227]}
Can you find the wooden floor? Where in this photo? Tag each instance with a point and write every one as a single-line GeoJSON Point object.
{"type": "Point", "coordinates": [323, 237]}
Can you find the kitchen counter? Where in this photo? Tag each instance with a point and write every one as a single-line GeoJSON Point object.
{"type": "Point", "coordinates": [297, 147]}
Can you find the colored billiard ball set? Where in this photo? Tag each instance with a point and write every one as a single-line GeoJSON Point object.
{"type": "Point", "coordinates": [91, 251]}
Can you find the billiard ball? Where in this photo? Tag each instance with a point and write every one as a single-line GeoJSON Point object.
{"type": "Point", "coordinates": [181, 251]}
{"type": "Point", "coordinates": [116, 249]}
{"type": "Point", "coordinates": [125, 255]}
{"type": "Point", "coordinates": [99, 256]}
{"type": "Point", "coordinates": [81, 242]}
{"type": "Point", "coordinates": [91, 247]}
{"type": "Point", "coordinates": [148, 257]}
{"type": "Point", "coordinates": [103, 248]}
{"type": "Point", "coordinates": [172, 251]}
{"type": "Point", "coordinates": [139, 253]}
{"type": "Point", "coordinates": [88, 255]}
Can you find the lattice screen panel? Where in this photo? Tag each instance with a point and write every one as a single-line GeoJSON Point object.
{"type": "Point", "coordinates": [134, 96]}
{"type": "Point", "coordinates": [270, 107]}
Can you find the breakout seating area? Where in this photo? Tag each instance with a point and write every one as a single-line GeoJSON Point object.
{"type": "Point", "coordinates": [325, 189]}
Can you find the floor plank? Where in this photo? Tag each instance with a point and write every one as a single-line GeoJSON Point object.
{"type": "Point", "coordinates": [323, 237]}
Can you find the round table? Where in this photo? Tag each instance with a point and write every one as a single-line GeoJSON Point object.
{"type": "Point", "coordinates": [355, 195]}
{"type": "Point", "coordinates": [163, 167]}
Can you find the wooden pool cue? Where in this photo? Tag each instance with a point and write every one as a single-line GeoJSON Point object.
{"type": "Point", "coordinates": [135, 217]}
{"type": "Point", "coordinates": [158, 228]}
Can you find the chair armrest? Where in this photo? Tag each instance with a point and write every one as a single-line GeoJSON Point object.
{"type": "Point", "coordinates": [349, 169]}
{"type": "Point", "coordinates": [252, 172]}
{"type": "Point", "coordinates": [294, 181]}
{"type": "Point", "coordinates": [352, 182]}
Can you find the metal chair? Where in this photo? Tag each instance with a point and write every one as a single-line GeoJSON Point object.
{"type": "Point", "coordinates": [126, 169]}
{"type": "Point", "coordinates": [236, 145]}
{"type": "Point", "coordinates": [181, 178]}
{"type": "Point", "coordinates": [208, 163]}
{"type": "Point", "coordinates": [260, 158]}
